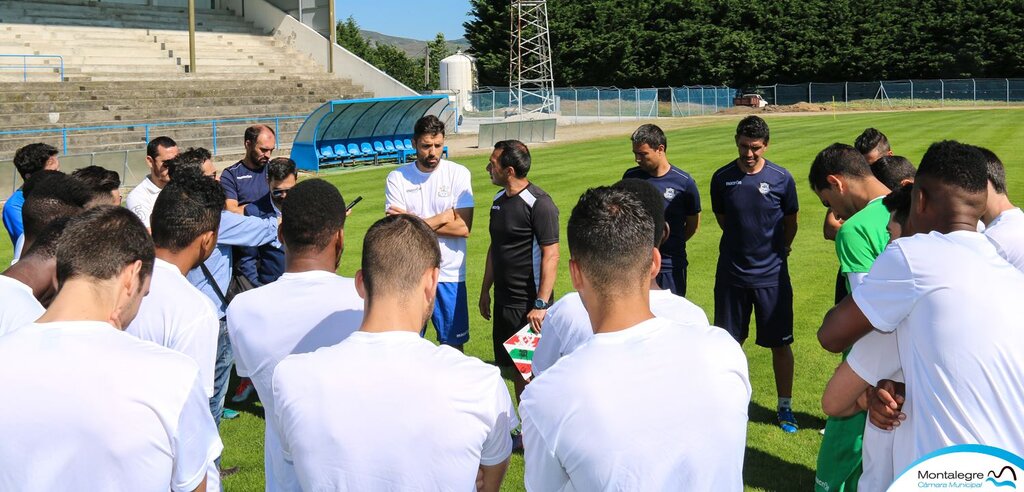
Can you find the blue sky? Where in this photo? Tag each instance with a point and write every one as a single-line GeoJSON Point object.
{"type": "Point", "coordinates": [417, 19]}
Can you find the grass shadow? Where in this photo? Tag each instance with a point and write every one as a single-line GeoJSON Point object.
{"type": "Point", "coordinates": [768, 472]}
{"type": "Point", "coordinates": [762, 415]}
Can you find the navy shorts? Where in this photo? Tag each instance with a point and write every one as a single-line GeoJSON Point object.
{"type": "Point", "coordinates": [772, 308]}
{"type": "Point", "coordinates": [451, 314]}
{"type": "Point", "coordinates": [507, 321]}
{"type": "Point", "coordinates": [673, 280]}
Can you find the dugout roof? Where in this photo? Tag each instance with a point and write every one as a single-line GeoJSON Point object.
{"type": "Point", "coordinates": [361, 120]}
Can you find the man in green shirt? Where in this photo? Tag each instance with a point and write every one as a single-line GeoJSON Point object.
{"type": "Point", "coordinates": [842, 179]}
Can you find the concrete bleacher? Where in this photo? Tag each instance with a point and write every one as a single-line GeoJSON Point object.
{"type": "Point", "coordinates": [128, 64]}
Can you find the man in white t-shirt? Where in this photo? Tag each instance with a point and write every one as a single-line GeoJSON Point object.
{"type": "Point", "coordinates": [652, 434]}
{"type": "Point", "coordinates": [31, 279]}
{"type": "Point", "coordinates": [142, 198]}
{"type": "Point", "coordinates": [1004, 221]}
{"type": "Point", "coordinates": [568, 325]}
{"type": "Point", "coordinates": [957, 323]}
{"type": "Point", "coordinates": [386, 409]}
{"type": "Point", "coordinates": [262, 334]}
{"type": "Point", "coordinates": [175, 314]}
{"type": "Point", "coordinates": [440, 192]}
{"type": "Point", "coordinates": [140, 419]}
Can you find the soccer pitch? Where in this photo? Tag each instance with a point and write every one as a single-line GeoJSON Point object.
{"type": "Point", "coordinates": [774, 460]}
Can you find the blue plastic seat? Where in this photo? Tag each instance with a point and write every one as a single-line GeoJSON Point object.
{"type": "Point", "coordinates": [389, 146]}
{"type": "Point", "coordinates": [353, 150]}
{"type": "Point", "coordinates": [326, 151]}
{"type": "Point", "coordinates": [399, 145]}
{"type": "Point", "coordinates": [366, 148]}
{"type": "Point", "coordinates": [340, 151]}
{"type": "Point", "coordinates": [378, 147]}
{"type": "Point", "coordinates": [408, 145]}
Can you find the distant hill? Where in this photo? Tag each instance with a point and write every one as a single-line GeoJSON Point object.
{"type": "Point", "coordinates": [411, 47]}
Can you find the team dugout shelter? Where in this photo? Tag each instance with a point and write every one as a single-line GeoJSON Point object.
{"type": "Point", "coordinates": [349, 132]}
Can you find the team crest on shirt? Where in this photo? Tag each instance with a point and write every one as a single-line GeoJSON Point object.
{"type": "Point", "coordinates": [670, 193]}
{"type": "Point", "coordinates": [443, 191]}
{"type": "Point", "coordinates": [764, 188]}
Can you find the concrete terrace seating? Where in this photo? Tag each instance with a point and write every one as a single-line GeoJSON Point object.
{"type": "Point", "coordinates": [128, 64]}
{"type": "Point", "coordinates": [110, 41]}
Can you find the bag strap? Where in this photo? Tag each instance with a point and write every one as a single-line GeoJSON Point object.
{"type": "Point", "coordinates": [213, 283]}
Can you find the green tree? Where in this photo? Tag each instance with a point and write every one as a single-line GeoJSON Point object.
{"type": "Point", "coordinates": [439, 50]}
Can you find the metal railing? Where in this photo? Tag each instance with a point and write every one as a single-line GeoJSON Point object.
{"type": "Point", "coordinates": [25, 67]}
{"type": "Point", "coordinates": [910, 93]}
{"type": "Point", "coordinates": [147, 128]}
{"type": "Point", "coordinates": [582, 104]}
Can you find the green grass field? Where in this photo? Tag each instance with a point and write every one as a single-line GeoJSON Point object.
{"type": "Point", "coordinates": [774, 460]}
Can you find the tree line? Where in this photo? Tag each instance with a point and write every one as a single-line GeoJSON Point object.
{"type": "Point", "coordinates": [393, 61]}
{"type": "Point", "coordinates": [737, 43]}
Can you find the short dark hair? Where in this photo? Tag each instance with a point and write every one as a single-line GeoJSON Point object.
{"type": "Point", "coordinates": [154, 146]}
{"type": "Point", "coordinates": [252, 134]}
{"type": "Point", "coordinates": [956, 164]}
{"type": "Point", "coordinates": [838, 159]}
{"type": "Point", "coordinates": [313, 213]}
{"type": "Point", "coordinates": [428, 125]}
{"type": "Point", "coordinates": [45, 245]}
{"type": "Point", "coordinates": [898, 203]}
{"type": "Point", "coordinates": [396, 251]}
{"type": "Point", "coordinates": [50, 195]}
{"type": "Point", "coordinates": [186, 208]}
{"type": "Point", "coordinates": [280, 168]}
{"type": "Point", "coordinates": [32, 158]}
{"type": "Point", "coordinates": [753, 127]}
{"type": "Point", "coordinates": [191, 159]}
{"type": "Point", "coordinates": [611, 237]}
{"type": "Point", "coordinates": [871, 139]}
{"type": "Point", "coordinates": [996, 170]}
{"type": "Point", "coordinates": [100, 181]}
{"type": "Point", "coordinates": [651, 199]}
{"type": "Point", "coordinates": [892, 170]}
{"type": "Point", "coordinates": [100, 242]}
{"type": "Point", "coordinates": [649, 134]}
{"type": "Point", "coordinates": [514, 154]}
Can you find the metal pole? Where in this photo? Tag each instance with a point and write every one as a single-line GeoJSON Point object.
{"type": "Point", "coordinates": [809, 98]}
{"type": "Point", "coordinates": [214, 138]}
{"type": "Point", "coordinates": [911, 93]}
{"type": "Point", "coordinates": [846, 94]}
{"type": "Point", "coordinates": [619, 91]}
{"type": "Point", "coordinates": [1007, 91]}
{"type": "Point", "coordinates": [576, 105]}
{"type": "Point", "coordinates": [64, 138]}
{"type": "Point", "coordinates": [277, 123]}
{"type": "Point", "coordinates": [974, 85]}
{"type": "Point", "coordinates": [192, 36]}
{"type": "Point", "coordinates": [942, 93]}
{"type": "Point", "coordinates": [702, 101]}
{"type": "Point", "coordinates": [333, 38]}
{"type": "Point", "coordinates": [636, 97]}
{"type": "Point", "coordinates": [599, 104]}
{"type": "Point", "coordinates": [689, 107]}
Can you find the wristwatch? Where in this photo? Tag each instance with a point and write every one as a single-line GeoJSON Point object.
{"type": "Point", "coordinates": [540, 304]}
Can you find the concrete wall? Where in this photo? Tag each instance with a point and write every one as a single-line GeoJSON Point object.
{"type": "Point", "coordinates": [303, 38]}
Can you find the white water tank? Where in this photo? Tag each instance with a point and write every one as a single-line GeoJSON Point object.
{"type": "Point", "coordinates": [458, 77]}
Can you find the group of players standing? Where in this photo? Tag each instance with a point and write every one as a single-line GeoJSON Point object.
{"type": "Point", "coordinates": [356, 399]}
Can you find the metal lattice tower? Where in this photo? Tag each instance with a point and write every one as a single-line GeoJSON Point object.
{"type": "Point", "coordinates": [531, 80]}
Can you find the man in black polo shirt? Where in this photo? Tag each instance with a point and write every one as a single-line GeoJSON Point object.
{"type": "Point", "coordinates": [522, 260]}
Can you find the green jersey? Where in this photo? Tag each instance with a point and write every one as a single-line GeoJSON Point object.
{"type": "Point", "coordinates": [859, 241]}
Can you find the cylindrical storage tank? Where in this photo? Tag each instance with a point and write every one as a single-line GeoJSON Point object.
{"type": "Point", "coordinates": [458, 76]}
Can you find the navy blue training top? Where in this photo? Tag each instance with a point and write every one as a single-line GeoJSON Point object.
{"type": "Point", "coordinates": [682, 199]}
{"type": "Point", "coordinates": [247, 186]}
{"type": "Point", "coordinates": [752, 250]}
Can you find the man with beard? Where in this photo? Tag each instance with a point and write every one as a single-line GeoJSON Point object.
{"type": "Point", "coordinates": [440, 192]}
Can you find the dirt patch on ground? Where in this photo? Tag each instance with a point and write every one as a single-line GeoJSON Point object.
{"type": "Point", "coordinates": [800, 107]}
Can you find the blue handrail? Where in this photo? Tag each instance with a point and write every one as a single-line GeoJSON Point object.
{"type": "Point", "coordinates": [25, 66]}
{"type": "Point", "coordinates": [147, 126]}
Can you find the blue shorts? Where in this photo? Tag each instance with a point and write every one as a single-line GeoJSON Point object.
{"type": "Point", "coordinates": [451, 314]}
